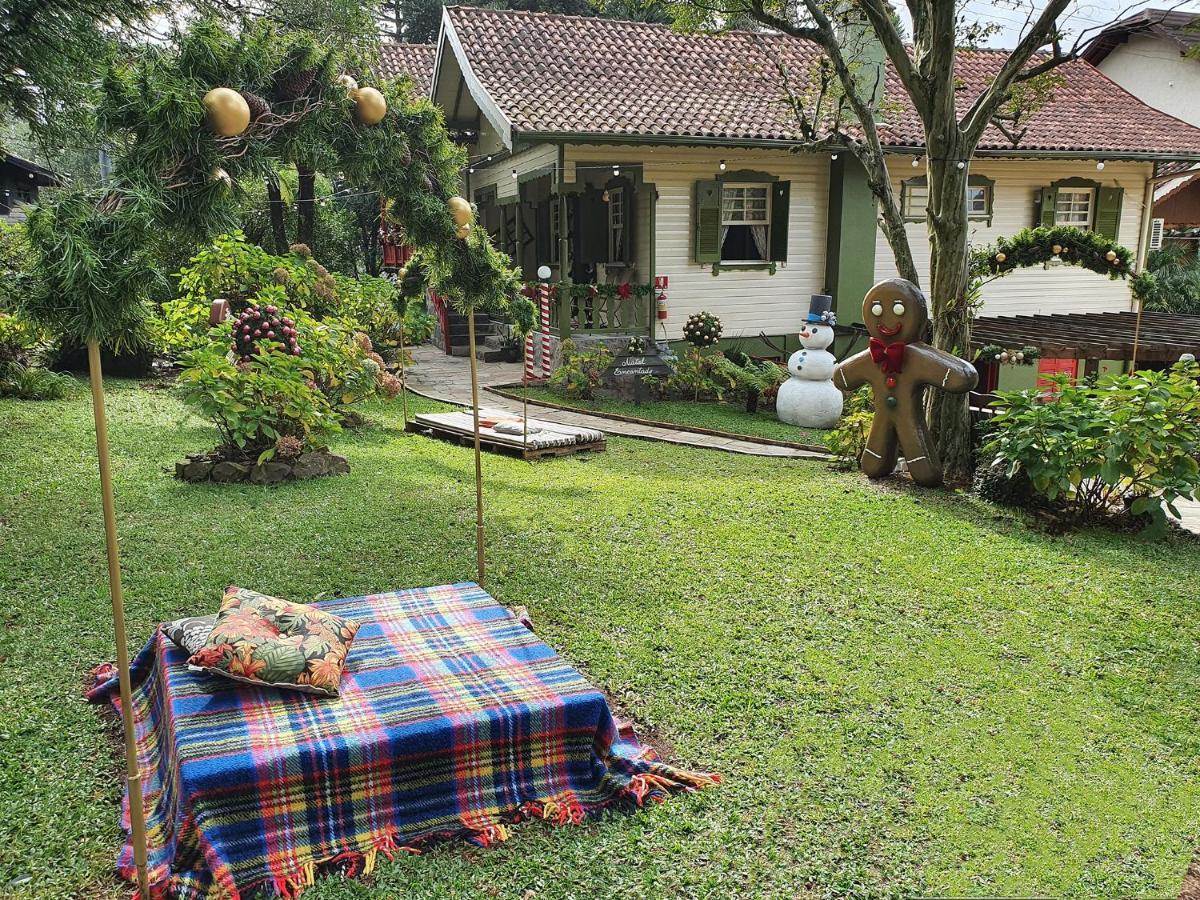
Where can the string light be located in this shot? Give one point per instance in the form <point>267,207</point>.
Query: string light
<point>723,163</point>
<point>514,173</point>
<point>961,164</point>
<point>1100,165</point>
<point>835,156</point>
<point>916,161</point>
<point>616,171</point>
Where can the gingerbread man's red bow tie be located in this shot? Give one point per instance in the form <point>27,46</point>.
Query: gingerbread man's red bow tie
<point>889,357</point>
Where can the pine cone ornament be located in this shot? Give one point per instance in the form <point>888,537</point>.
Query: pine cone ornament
<point>258,106</point>
<point>294,84</point>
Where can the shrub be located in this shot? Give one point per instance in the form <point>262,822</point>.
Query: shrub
<point>418,324</point>
<point>1128,445</point>
<point>1170,282</point>
<point>581,372</point>
<point>32,382</point>
<point>702,329</point>
<point>847,441</point>
<point>255,404</point>
<point>371,303</point>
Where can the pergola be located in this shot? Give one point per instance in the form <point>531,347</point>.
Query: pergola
<point>1160,337</point>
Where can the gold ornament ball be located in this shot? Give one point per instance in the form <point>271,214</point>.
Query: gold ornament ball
<point>1110,255</point>
<point>462,231</point>
<point>348,82</point>
<point>402,273</point>
<point>1057,248</point>
<point>1000,257</point>
<point>369,105</point>
<point>228,113</point>
<point>216,173</point>
<point>460,211</point>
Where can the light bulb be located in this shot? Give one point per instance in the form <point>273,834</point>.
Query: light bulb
<point>514,173</point>
<point>471,171</point>
<point>834,156</point>
<point>723,165</point>
<point>961,164</point>
<point>616,171</point>
<point>916,162</point>
<point>1100,165</point>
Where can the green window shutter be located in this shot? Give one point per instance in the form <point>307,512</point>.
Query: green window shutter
<point>1049,197</point>
<point>1107,220</point>
<point>781,206</point>
<point>592,225</point>
<point>541,231</point>
<point>708,222</point>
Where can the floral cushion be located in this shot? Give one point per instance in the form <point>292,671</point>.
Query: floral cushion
<point>266,641</point>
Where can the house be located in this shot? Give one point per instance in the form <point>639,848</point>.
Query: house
<point>20,180</point>
<point>625,154</point>
<point>1151,55</point>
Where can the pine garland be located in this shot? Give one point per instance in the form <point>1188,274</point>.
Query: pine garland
<point>1060,243</point>
<point>176,180</point>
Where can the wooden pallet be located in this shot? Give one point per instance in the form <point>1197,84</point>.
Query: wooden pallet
<point>487,443</point>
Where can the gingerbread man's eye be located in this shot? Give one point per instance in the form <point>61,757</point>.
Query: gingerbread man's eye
<point>898,308</point>
<point>877,309</point>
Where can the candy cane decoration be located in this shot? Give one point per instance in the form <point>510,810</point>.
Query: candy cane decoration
<point>529,373</point>
<point>544,298</point>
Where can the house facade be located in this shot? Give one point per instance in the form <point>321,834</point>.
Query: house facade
<point>624,155</point>
<point>1151,55</point>
<point>20,182</point>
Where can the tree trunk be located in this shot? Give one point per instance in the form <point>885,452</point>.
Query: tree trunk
<point>305,207</point>
<point>278,229</point>
<point>949,415</point>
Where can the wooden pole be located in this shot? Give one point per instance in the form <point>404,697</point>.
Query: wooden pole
<point>1137,333</point>
<point>479,535</point>
<point>403,387</point>
<point>137,814</point>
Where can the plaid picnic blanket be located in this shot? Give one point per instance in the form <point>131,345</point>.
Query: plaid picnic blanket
<point>453,720</point>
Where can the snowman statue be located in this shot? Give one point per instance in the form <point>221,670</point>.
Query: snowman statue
<point>809,399</point>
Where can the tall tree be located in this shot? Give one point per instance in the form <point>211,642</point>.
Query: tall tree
<point>51,55</point>
<point>857,35</point>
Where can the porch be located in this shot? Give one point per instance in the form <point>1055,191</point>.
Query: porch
<point>595,235</point>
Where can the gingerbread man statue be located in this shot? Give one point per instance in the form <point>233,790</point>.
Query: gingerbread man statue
<point>898,365</point>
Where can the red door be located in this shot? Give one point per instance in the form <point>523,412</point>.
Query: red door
<point>1056,367</point>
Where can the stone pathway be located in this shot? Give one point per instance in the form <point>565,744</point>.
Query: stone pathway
<point>1189,514</point>
<point>448,378</point>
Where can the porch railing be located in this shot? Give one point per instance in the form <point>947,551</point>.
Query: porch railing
<point>595,309</point>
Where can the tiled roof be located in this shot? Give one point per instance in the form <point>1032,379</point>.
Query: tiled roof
<point>551,73</point>
<point>413,60</point>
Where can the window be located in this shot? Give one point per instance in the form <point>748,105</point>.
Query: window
<point>618,220</point>
<point>745,222</point>
<point>1073,206</point>
<point>915,198</point>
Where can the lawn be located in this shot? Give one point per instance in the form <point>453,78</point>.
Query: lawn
<point>907,692</point>
<point>729,417</point>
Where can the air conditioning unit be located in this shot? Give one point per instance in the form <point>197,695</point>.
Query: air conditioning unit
<point>1156,234</point>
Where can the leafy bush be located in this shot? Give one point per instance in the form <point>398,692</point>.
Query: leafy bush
<point>1127,445</point>
<point>32,382</point>
<point>255,404</point>
<point>371,303</point>
<point>698,375</point>
<point>581,372</point>
<point>1170,282</point>
<point>847,442</point>
<point>418,324</point>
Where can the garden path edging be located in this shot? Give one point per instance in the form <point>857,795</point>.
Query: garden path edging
<point>504,390</point>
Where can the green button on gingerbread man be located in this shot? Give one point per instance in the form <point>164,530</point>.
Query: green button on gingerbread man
<point>898,365</point>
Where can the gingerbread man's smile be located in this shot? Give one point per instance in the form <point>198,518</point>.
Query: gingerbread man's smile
<point>889,332</point>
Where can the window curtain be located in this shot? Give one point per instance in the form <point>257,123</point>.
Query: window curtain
<point>724,234</point>
<point>758,234</point>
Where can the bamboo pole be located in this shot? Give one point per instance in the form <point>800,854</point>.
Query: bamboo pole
<point>137,814</point>
<point>1137,334</point>
<point>479,535</point>
<point>403,386</point>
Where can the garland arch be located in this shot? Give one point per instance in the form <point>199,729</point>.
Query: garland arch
<point>1038,246</point>
<point>194,121</point>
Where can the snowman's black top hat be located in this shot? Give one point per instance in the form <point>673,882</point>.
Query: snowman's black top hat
<point>820,309</point>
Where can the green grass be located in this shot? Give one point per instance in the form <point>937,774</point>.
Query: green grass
<point>907,692</point>
<point>731,417</point>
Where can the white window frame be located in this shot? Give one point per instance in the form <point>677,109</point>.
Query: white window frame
<point>916,201</point>
<point>1069,216</point>
<point>618,222</point>
<point>972,212</point>
<point>765,187</point>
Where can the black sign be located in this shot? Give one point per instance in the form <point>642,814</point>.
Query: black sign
<point>640,366</point>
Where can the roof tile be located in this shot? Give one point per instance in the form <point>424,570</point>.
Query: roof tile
<point>552,73</point>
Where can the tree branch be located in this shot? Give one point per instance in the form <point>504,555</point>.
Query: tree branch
<point>879,16</point>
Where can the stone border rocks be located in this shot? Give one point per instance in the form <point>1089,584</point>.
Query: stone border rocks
<point>211,467</point>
